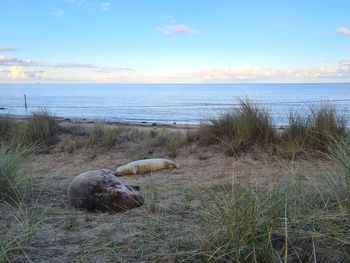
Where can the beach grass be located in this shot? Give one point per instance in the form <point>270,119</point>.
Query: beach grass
<point>20,213</point>
<point>246,127</point>
<point>290,220</point>
<point>95,134</point>
<point>7,129</point>
<point>18,228</point>
<point>326,124</point>
<point>294,217</point>
<point>11,169</point>
<point>314,130</point>
<point>240,128</point>
<point>249,125</point>
<point>294,139</point>
<point>41,128</point>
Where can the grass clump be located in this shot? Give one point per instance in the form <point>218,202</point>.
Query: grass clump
<point>340,182</point>
<point>325,123</point>
<point>175,141</point>
<point>294,138</point>
<point>107,137</point>
<point>315,131</point>
<point>240,128</point>
<point>249,125</point>
<point>11,132</point>
<point>95,134</point>
<point>41,128</point>
<point>20,215</point>
<point>17,229</point>
<point>8,128</point>
<point>238,223</point>
<point>75,130</point>
<point>11,166</point>
<point>110,137</point>
<point>287,222</point>
<point>340,155</point>
<point>170,141</point>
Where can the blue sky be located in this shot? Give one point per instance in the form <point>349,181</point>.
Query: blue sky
<point>164,41</point>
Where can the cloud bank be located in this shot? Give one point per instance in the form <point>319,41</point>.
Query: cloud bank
<point>20,73</point>
<point>249,73</point>
<point>17,69</point>
<point>14,69</point>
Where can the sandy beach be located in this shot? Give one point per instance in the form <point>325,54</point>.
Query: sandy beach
<point>67,234</point>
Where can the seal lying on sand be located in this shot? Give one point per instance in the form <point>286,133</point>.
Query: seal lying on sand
<point>145,166</point>
<point>101,190</point>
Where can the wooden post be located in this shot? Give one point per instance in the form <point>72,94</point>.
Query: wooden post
<point>25,101</point>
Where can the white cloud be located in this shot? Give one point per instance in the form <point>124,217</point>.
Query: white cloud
<point>251,73</point>
<point>13,61</point>
<point>15,69</point>
<point>58,13</point>
<point>105,6</point>
<point>6,48</point>
<point>20,73</point>
<point>343,31</point>
<point>172,29</point>
<point>16,72</point>
<point>344,66</point>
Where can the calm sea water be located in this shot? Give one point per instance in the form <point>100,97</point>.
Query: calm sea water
<point>185,104</point>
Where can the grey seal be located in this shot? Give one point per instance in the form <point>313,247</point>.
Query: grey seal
<point>101,190</point>
<point>145,166</point>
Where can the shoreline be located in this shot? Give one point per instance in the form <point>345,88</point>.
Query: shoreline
<point>87,121</point>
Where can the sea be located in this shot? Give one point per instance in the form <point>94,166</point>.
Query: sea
<point>166,103</point>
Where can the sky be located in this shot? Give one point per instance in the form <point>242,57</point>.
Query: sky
<point>174,41</point>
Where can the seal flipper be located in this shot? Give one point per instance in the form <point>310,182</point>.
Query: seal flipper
<point>133,187</point>
<point>177,165</point>
<point>116,172</point>
<point>135,169</point>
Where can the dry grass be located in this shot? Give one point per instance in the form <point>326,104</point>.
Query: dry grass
<point>11,170</point>
<point>291,220</point>
<point>19,217</point>
<point>293,217</point>
<point>170,141</point>
<point>18,228</point>
<point>294,139</point>
<point>326,123</point>
<point>7,129</point>
<point>41,128</point>
<point>240,128</point>
<point>316,130</point>
<point>249,125</point>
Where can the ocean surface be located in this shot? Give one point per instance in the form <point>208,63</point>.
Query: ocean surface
<point>163,103</point>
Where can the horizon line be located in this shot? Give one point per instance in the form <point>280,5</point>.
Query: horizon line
<point>165,83</point>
